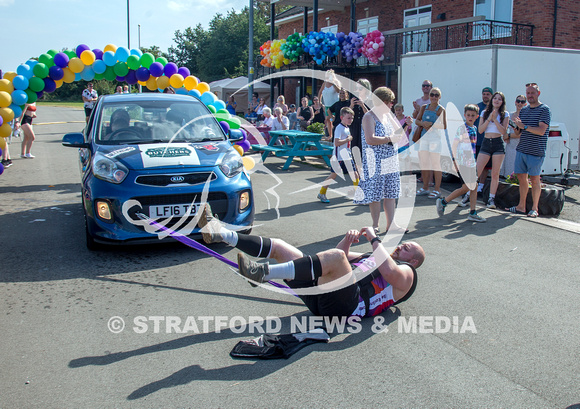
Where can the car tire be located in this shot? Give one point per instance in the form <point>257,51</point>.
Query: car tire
<point>92,245</point>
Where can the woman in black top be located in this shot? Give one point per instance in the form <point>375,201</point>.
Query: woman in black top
<point>363,91</point>
<point>305,114</point>
<point>318,109</point>
<point>342,102</point>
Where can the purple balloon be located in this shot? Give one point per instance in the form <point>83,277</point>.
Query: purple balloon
<point>55,72</point>
<point>131,78</point>
<point>49,85</point>
<point>169,69</point>
<point>80,49</point>
<point>245,145</point>
<point>98,54</point>
<point>61,59</point>
<point>156,69</point>
<point>1,121</point>
<point>244,133</point>
<point>184,72</point>
<point>39,94</point>
<point>225,126</point>
<point>142,74</point>
<point>120,79</point>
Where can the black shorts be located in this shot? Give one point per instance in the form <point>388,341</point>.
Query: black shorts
<point>26,119</point>
<point>344,168</point>
<point>88,111</point>
<point>492,146</point>
<point>339,303</point>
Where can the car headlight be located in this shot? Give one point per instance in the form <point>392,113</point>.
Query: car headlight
<point>108,169</point>
<point>232,164</point>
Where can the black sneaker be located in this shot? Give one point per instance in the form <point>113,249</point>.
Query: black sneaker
<point>6,163</point>
<point>209,226</point>
<point>251,270</point>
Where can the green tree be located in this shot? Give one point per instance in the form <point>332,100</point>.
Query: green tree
<point>156,51</point>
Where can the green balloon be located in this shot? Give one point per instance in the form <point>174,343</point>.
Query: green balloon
<point>36,84</point>
<point>133,62</point>
<point>121,69</point>
<point>40,70</point>
<point>52,53</point>
<point>110,74</point>
<point>162,60</point>
<point>211,109</point>
<point>223,111</point>
<point>147,59</point>
<point>70,54</point>
<point>99,76</point>
<point>46,59</point>
<point>32,97</point>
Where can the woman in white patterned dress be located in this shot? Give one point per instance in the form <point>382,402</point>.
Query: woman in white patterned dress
<point>380,164</point>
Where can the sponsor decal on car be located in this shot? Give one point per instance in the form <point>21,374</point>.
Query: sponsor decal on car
<point>119,152</point>
<point>167,152</point>
<point>168,155</point>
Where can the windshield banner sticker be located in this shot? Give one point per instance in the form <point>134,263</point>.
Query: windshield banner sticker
<point>120,152</point>
<point>168,155</point>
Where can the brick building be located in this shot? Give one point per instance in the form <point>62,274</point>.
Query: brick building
<point>422,25</point>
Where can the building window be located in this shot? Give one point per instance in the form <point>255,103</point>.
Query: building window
<point>330,29</point>
<point>499,11</point>
<point>366,25</point>
<point>416,41</point>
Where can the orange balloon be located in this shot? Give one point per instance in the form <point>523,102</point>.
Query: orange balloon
<point>110,47</point>
<point>190,82</point>
<point>202,87</point>
<point>249,162</point>
<point>239,149</point>
<point>69,76</point>
<point>76,65</point>
<point>162,82</point>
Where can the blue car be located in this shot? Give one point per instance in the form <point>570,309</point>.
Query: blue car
<point>161,157</point>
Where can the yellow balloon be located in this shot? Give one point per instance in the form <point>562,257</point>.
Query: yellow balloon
<point>142,83</point>
<point>239,149</point>
<point>2,142</point>
<point>88,57</point>
<point>176,80</point>
<point>68,76</point>
<point>58,83</point>
<point>10,75</point>
<point>249,162</point>
<point>151,83</point>
<point>7,115</point>
<point>5,99</point>
<point>76,65</point>
<point>202,87</point>
<point>5,130</point>
<point>162,82</point>
<point>110,47</point>
<point>190,82</point>
<point>6,85</point>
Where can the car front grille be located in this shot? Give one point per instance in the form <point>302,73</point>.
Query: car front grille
<point>174,179</point>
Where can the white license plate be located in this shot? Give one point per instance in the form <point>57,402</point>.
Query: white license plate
<point>177,210</point>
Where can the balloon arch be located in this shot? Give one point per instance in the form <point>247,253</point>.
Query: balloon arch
<point>52,69</point>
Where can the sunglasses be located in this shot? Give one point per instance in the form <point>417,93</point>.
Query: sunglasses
<point>520,101</point>
<point>425,85</point>
<point>531,84</point>
<point>434,95</point>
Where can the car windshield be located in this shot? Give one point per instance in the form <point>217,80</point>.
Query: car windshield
<point>155,121</point>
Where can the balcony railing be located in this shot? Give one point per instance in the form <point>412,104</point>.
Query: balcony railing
<point>446,35</point>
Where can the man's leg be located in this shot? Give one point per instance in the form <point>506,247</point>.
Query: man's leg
<point>536,191</point>
<point>523,181</point>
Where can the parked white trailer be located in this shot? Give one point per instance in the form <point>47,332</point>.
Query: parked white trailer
<point>461,74</point>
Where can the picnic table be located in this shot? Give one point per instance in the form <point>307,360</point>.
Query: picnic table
<point>291,144</point>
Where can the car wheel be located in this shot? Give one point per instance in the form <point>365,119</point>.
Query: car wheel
<point>248,231</point>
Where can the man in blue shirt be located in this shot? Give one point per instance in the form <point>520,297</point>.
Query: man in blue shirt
<point>532,127</point>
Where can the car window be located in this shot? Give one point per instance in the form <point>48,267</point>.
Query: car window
<point>156,121</point>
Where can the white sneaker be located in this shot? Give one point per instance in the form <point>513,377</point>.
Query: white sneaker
<point>464,202</point>
<point>323,198</point>
<point>29,156</point>
<point>440,207</point>
<point>491,203</point>
<point>476,218</point>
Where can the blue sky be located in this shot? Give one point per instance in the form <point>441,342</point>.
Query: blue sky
<point>32,27</point>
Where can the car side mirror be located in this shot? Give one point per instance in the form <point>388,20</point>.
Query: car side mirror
<point>235,135</point>
<point>74,140</point>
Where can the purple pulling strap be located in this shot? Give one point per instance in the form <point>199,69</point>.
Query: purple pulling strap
<point>198,246</point>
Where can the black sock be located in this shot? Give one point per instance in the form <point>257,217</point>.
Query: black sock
<point>473,212</point>
<point>444,201</point>
<point>307,268</point>
<point>255,246</point>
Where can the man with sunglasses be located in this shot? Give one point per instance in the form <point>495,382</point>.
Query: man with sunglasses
<point>533,127</point>
<point>419,102</point>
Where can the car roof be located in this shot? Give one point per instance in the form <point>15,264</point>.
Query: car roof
<point>148,96</point>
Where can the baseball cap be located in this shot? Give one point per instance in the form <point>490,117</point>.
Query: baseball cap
<point>292,106</point>
<point>487,89</point>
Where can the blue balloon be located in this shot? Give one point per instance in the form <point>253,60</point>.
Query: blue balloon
<point>137,52</point>
<point>25,71</point>
<point>208,98</point>
<point>122,54</point>
<point>31,63</point>
<point>99,67</point>
<point>78,76</point>
<point>55,72</point>
<point>19,97</point>
<point>219,104</point>
<point>16,109</point>
<point>109,58</point>
<point>142,74</point>
<point>20,81</point>
<point>87,73</point>
<point>49,85</point>
<point>194,93</point>
<point>131,78</point>
<point>225,126</point>
<point>181,91</point>
<point>61,59</point>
